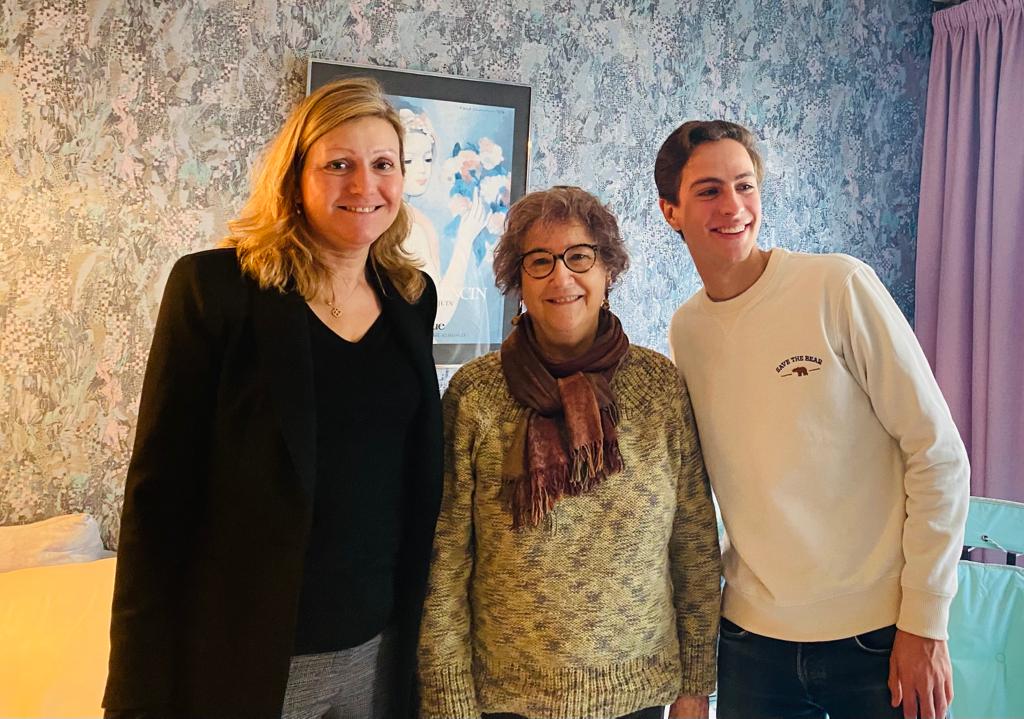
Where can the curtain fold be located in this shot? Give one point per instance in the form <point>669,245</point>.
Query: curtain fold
<point>969,310</point>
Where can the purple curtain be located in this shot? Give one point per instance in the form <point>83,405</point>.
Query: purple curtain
<point>970,246</point>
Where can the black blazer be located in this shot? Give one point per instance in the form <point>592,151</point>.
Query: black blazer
<point>217,505</point>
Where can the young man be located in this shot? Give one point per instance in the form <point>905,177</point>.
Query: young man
<point>842,480</point>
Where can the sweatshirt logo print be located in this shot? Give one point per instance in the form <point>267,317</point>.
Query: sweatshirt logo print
<point>798,366</point>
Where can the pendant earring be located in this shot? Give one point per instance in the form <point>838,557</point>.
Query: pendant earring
<point>518,316</point>
<point>605,305</point>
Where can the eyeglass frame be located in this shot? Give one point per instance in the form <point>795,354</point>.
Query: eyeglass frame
<point>596,249</point>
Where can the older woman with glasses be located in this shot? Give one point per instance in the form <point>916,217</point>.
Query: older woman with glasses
<point>576,563</point>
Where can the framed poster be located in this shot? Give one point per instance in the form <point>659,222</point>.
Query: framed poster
<point>466,144</point>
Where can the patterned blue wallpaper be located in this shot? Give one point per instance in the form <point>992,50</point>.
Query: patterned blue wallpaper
<point>128,130</point>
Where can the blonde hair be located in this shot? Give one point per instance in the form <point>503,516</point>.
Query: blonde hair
<point>273,241</point>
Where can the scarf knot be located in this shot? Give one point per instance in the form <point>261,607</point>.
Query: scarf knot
<point>566,443</point>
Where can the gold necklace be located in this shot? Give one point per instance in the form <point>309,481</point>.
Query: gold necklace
<point>331,303</point>
<point>335,310</point>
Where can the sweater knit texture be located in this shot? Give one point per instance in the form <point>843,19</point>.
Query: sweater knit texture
<point>611,604</point>
<point>842,480</point>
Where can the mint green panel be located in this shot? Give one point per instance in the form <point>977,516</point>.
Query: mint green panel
<point>986,642</point>
<point>999,521</point>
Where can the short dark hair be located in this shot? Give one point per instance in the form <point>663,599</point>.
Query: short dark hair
<point>560,204</point>
<point>675,152</point>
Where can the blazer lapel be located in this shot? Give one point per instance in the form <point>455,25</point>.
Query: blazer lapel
<point>282,334</point>
<point>414,337</point>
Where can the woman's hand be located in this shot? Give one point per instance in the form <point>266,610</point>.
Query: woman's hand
<point>689,706</point>
<point>449,289</point>
<point>472,220</point>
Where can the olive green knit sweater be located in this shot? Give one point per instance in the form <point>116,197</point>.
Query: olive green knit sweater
<point>609,606</point>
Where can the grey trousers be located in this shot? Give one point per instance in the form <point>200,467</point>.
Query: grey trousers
<point>354,683</point>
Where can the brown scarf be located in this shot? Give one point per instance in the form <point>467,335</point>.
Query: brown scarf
<point>571,399</point>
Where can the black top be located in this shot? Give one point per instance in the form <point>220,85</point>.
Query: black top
<point>367,394</point>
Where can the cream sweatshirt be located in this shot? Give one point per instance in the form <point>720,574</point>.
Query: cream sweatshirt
<point>841,478</point>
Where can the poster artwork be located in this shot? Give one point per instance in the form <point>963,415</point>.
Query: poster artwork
<point>458,185</point>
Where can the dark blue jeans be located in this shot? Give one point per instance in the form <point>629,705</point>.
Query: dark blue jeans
<point>763,678</point>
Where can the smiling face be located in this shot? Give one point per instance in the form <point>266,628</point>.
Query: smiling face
<point>351,185</point>
<point>419,159</point>
<point>564,306</point>
<point>718,209</point>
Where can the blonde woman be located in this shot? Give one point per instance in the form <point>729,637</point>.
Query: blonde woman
<point>281,497</point>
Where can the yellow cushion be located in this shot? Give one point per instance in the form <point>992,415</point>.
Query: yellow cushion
<point>54,639</point>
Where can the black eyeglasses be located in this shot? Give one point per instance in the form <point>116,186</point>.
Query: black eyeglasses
<point>538,264</point>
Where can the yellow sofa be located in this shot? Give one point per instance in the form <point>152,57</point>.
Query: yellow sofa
<point>56,582</point>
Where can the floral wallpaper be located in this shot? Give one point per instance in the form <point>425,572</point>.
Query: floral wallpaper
<point>128,130</point>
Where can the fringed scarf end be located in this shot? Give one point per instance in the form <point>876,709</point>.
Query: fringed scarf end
<point>587,462</point>
<point>530,499</point>
<point>613,459</point>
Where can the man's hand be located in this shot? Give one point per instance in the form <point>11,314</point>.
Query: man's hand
<point>920,676</point>
<point>689,706</point>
